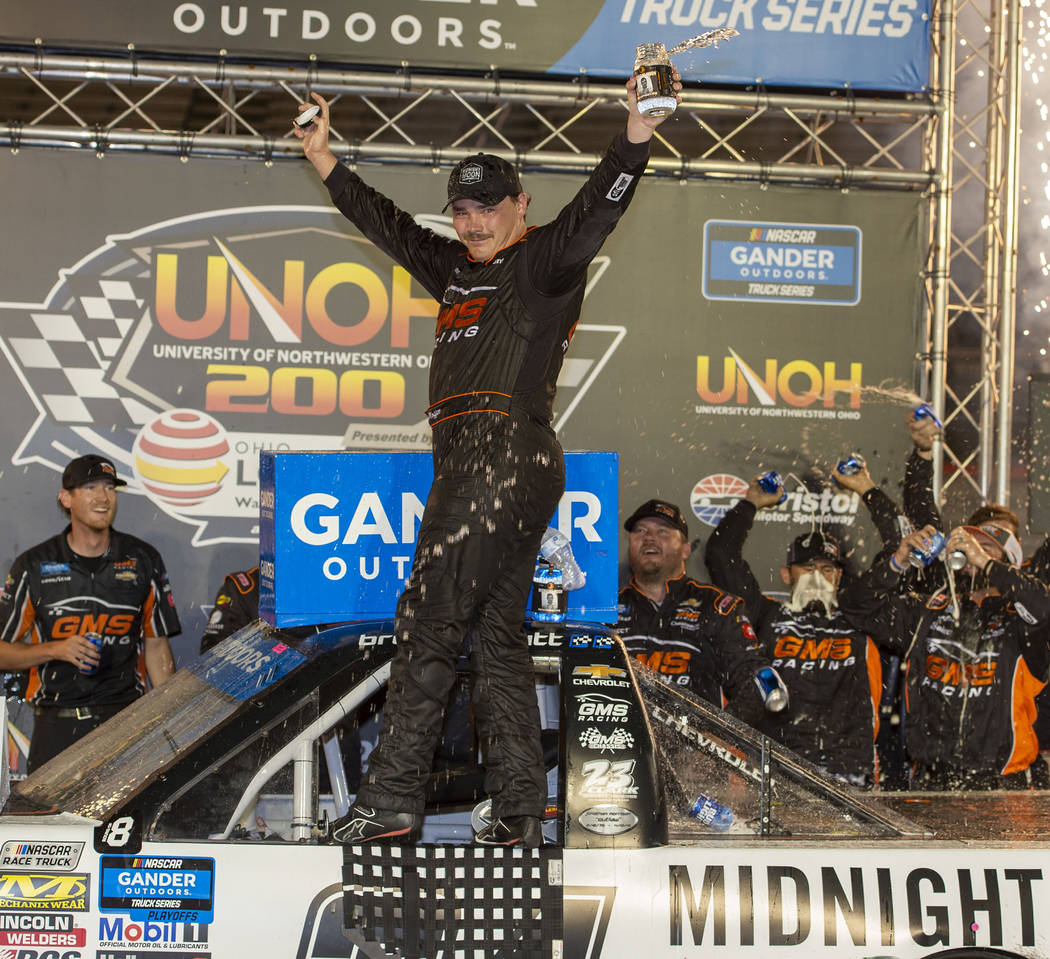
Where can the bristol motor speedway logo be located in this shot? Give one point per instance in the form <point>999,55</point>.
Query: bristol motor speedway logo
<point>184,349</point>
<point>714,495</point>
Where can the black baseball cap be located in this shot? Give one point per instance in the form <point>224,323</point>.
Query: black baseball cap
<point>482,177</point>
<point>85,469</point>
<point>814,545</point>
<point>658,509</point>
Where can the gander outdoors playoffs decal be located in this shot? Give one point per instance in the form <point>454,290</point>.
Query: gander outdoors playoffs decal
<point>158,888</point>
<point>785,262</point>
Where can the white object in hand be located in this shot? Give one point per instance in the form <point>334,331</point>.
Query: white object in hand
<point>307,116</point>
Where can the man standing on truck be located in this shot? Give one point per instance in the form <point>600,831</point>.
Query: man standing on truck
<point>510,297</point>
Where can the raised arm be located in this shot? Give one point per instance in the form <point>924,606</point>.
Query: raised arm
<point>883,511</point>
<point>920,506</point>
<point>724,554</point>
<point>427,256</point>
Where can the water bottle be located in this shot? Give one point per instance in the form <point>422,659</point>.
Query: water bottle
<point>923,557</point>
<point>772,689</point>
<point>556,550</point>
<point>925,412</point>
<point>550,599</point>
<point>711,813</point>
<point>771,482</point>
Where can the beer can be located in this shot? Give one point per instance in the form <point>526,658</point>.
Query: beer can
<point>772,689</point>
<point>923,557</point>
<point>771,482</point>
<point>96,640</point>
<point>851,465</point>
<point>550,599</point>
<point>654,78</point>
<point>925,412</point>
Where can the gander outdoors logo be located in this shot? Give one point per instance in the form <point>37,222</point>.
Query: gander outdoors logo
<point>714,495</point>
<point>184,349</point>
<point>785,262</point>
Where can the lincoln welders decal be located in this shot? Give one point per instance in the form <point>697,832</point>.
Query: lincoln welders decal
<point>782,262</point>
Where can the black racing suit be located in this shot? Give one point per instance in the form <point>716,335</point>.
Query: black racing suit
<point>969,683</point>
<point>52,594</point>
<point>502,331</point>
<point>236,605</point>
<point>1039,566</point>
<point>829,664</point>
<point>698,638</point>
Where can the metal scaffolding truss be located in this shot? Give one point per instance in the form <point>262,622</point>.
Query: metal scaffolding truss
<point>108,102</point>
<point>958,145</point>
<point>977,56</point>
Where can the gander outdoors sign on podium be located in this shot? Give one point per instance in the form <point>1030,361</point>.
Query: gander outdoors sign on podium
<point>338,532</point>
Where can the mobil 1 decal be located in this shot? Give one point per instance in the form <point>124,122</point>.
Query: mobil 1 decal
<point>158,888</point>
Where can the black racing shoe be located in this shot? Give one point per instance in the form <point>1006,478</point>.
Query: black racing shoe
<point>511,831</point>
<point>364,824</point>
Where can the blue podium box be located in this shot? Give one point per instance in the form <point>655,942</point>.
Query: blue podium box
<point>338,532</point>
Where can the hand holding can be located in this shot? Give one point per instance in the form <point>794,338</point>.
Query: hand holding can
<point>86,666</point>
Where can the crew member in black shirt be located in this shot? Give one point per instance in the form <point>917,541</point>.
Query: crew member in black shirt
<point>693,634</point>
<point>89,579</point>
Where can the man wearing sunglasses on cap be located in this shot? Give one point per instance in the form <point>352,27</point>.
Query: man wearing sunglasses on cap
<point>974,652</point>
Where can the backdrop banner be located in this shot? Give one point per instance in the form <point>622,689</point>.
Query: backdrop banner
<point>865,44</point>
<point>183,317</point>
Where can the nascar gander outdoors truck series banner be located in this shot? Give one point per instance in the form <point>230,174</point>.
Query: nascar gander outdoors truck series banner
<point>865,44</point>
<point>185,317</point>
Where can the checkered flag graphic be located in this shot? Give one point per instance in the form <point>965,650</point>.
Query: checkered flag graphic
<point>455,902</point>
<point>66,354</point>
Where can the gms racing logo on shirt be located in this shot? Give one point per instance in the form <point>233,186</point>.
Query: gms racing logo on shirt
<point>713,496</point>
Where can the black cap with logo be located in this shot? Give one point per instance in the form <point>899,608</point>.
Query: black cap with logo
<point>87,469</point>
<point>484,178</point>
<point>658,509</point>
<point>814,545</point>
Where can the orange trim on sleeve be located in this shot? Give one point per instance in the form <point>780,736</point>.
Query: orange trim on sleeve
<point>874,684</point>
<point>147,614</point>
<point>1022,701</point>
<point>33,685</point>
